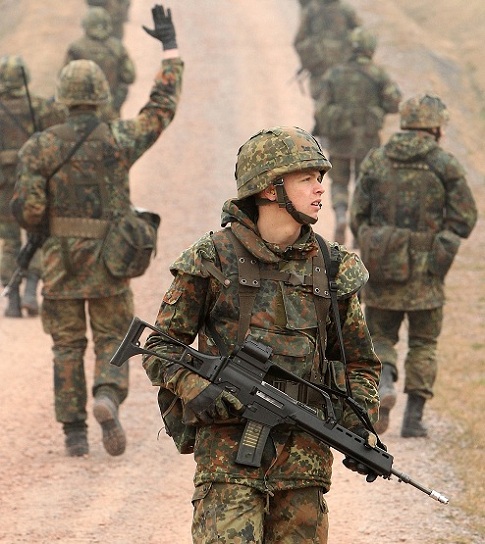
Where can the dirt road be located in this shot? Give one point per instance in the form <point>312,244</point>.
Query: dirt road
<point>239,69</point>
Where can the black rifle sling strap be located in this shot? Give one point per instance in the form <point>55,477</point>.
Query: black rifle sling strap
<point>333,258</point>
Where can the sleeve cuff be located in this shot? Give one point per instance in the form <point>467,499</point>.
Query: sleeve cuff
<point>171,54</point>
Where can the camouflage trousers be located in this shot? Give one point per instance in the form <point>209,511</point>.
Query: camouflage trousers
<point>66,321</point>
<point>343,169</point>
<point>424,328</point>
<point>238,514</point>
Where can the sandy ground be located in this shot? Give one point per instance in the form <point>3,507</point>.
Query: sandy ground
<point>239,78</point>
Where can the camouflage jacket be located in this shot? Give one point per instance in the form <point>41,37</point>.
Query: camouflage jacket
<point>322,39</point>
<point>354,98</point>
<point>284,317</point>
<point>16,127</point>
<point>93,185</point>
<point>411,203</point>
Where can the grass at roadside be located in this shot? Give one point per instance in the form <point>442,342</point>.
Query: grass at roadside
<point>460,392</point>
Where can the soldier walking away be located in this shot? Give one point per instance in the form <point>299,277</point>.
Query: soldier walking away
<point>21,114</point>
<point>118,10</point>
<point>349,113</point>
<point>99,45</point>
<point>72,182</point>
<point>322,39</point>
<point>410,208</point>
<point>267,235</point>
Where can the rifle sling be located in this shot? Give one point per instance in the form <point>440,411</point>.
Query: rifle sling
<point>15,119</point>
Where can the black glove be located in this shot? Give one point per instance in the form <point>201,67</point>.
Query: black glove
<point>212,404</point>
<point>164,30</point>
<point>352,464</point>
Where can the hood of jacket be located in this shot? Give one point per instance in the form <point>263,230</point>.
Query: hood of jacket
<point>410,145</point>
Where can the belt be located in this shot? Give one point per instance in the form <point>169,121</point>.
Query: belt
<point>9,156</point>
<point>78,227</point>
<point>421,241</point>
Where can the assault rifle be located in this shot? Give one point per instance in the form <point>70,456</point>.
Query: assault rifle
<point>244,373</point>
<point>26,254</point>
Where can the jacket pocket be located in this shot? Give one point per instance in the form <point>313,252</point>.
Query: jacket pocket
<point>443,251</point>
<point>385,253</point>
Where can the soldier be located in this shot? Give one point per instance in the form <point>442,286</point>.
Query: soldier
<point>410,208</point>
<point>350,112</point>
<point>118,10</point>
<point>21,114</point>
<point>322,39</point>
<point>108,53</point>
<point>279,176</point>
<point>90,188</point>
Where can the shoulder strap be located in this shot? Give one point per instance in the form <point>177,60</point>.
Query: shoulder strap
<point>92,124</point>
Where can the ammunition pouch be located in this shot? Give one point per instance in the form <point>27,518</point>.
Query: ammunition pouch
<point>171,410</point>
<point>130,242</point>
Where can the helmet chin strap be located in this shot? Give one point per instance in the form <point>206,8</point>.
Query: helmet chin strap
<point>284,202</point>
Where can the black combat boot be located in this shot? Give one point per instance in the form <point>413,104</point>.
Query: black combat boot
<point>411,425</point>
<point>13,309</point>
<point>29,300</point>
<point>76,439</point>
<point>340,224</point>
<point>387,395</point>
<point>105,411</point>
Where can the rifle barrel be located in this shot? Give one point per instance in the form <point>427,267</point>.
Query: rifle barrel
<point>402,477</point>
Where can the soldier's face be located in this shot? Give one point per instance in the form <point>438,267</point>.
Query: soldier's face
<point>305,190</point>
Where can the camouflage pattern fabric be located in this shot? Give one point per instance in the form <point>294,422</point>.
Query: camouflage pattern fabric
<point>343,170</point>
<point>232,514</point>
<point>118,9</point>
<point>322,39</point>
<point>353,102</point>
<point>71,265</point>
<point>412,184</point>
<point>66,322</point>
<point>283,315</point>
<point>16,127</point>
<point>424,328</point>
<point>112,57</point>
<point>349,113</point>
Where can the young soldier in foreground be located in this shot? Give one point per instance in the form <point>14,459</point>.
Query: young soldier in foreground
<point>279,175</point>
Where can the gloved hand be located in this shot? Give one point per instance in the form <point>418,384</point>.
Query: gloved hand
<point>205,402</point>
<point>164,30</point>
<point>354,465</point>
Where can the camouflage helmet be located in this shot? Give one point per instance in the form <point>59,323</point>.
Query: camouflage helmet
<point>363,41</point>
<point>82,82</point>
<point>97,23</point>
<point>11,76</point>
<point>274,152</point>
<point>423,111</point>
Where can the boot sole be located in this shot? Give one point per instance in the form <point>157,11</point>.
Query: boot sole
<point>114,439</point>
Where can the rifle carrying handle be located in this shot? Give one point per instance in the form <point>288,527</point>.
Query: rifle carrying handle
<point>252,444</point>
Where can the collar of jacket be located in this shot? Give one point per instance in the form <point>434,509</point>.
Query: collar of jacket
<point>244,228</point>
